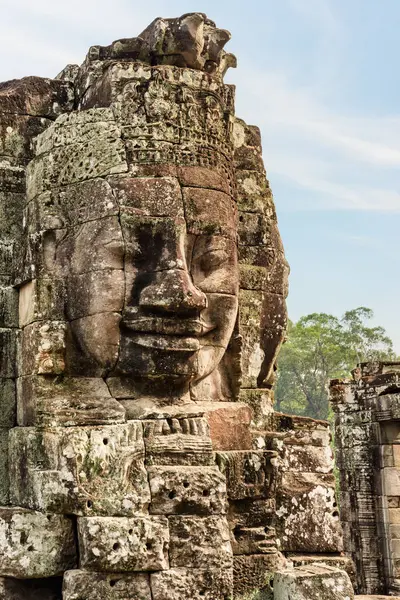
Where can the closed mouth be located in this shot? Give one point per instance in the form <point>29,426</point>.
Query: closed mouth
<point>167,326</point>
<point>166,334</point>
<point>171,343</point>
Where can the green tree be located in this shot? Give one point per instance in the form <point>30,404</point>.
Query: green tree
<point>321,347</point>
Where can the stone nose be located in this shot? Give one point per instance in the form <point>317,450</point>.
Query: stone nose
<point>173,291</point>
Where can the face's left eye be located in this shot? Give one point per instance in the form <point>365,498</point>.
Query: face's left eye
<point>212,260</point>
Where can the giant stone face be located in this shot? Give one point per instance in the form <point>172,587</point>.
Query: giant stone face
<point>152,292</point>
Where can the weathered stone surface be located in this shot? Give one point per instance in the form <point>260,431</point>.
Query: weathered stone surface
<point>199,542</point>
<point>41,300</point>
<point>252,575</point>
<point>36,96</point>
<point>308,516</point>
<point>229,426</point>
<point>307,459</point>
<point>43,348</point>
<point>342,562</point>
<point>309,583</point>
<point>153,196</point>
<point>119,544</point>
<point>92,135</point>
<point>8,307</point>
<point>261,404</point>
<point>66,401</point>
<point>84,585</point>
<point>175,584</point>
<point>376,597</point>
<point>366,437</point>
<point>8,403</point>
<point>176,441</point>
<point>8,352</point>
<point>34,544</point>
<point>248,474</point>
<point>4,468</point>
<point>187,490</point>
<point>80,470</point>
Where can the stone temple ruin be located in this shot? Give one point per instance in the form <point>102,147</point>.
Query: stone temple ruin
<point>142,307</point>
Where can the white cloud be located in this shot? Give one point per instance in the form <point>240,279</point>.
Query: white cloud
<point>350,160</point>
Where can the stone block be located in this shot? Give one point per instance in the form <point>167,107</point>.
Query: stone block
<point>261,403</point>
<point>8,352</point>
<point>80,470</point>
<point>34,544</point>
<point>7,256</point>
<point>302,431</point>
<point>43,348</point>
<point>312,583</point>
<point>153,196</point>
<point>105,240</point>
<point>254,540</point>
<point>8,307</point>
<point>229,425</point>
<point>391,481</point>
<point>37,96</point>
<point>78,146</point>
<point>201,584</point>
<point>65,401</point>
<point>37,256</point>
<point>249,513</point>
<point>342,562</point>
<point>250,310</point>
<point>307,459</point>
<point>94,292</point>
<point>396,456</point>
<point>86,201</point>
<point>394,516</point>
<point>390,432</point>
<point>254,229</point>
<point>4,468</point>
<point>204,178</point>
<point>249,474</point>
<point>85,585</point>
<point>199,542</point>
<point>41,300</point>
<point>8,403</point>
<point>187,490</point>
<point>206,210</point>
<point>307,514</point>
<point>178,441</point>
<point>253,576</point>
<point>101,336</point>
<point>120,544</point>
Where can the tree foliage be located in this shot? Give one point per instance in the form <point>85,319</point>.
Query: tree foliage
<point>321,347</point>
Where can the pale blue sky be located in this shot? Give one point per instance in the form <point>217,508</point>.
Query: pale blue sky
<point>321,79</point>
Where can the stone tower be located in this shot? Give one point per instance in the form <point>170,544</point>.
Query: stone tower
<point>142,310</point>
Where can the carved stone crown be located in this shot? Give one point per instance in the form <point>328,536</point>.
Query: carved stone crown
<point>191,41</point>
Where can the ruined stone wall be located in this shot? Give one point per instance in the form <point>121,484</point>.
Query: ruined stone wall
<point>366,438</point>
<point>143,308</point>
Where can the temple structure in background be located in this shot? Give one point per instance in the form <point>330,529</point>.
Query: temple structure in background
<point>142,309</point>
<point>367,439</point>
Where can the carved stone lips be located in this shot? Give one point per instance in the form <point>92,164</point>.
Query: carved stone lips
<point>167,326</point>
<point>167,334</point>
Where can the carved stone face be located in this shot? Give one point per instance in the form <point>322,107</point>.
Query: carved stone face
<point>152,291</point>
